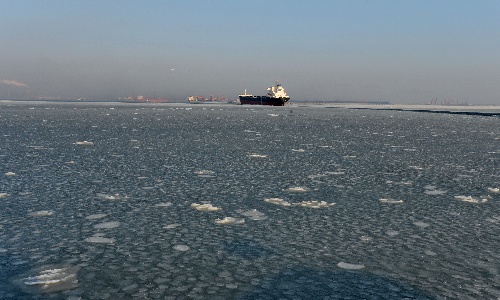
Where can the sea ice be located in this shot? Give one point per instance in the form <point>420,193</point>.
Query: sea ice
<point>313,204</point>
<point>277,201</point>
<point>205,207</point>
<point>229,220</point>
<point>95,216</point>
<point>253,214</point>
<point>85,143</point>
<point>494,190</point>
<point>298,150</point>
<point>100,240</point>
<point>165,204</point>
<point>48,279</point>
<point>392,232</point>
<point>171,226</point>
<point>434,192</point>
<point>41,213</point>
<point>296,189</point>
<point>257,155</point>
<point>349,266</point>
<point>181,248</point>
<point>390,201</point>
<point>4,195</point>
<point>204,172</point>
<point>107,225</point>
<point>471,199</point>
<point>421,224</point>
<point>10,174</point>
<point>109,197</point>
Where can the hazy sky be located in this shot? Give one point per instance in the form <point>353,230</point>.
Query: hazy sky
<point>403,51</point>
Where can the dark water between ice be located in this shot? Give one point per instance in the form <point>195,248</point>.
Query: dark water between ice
<point>96,202</point>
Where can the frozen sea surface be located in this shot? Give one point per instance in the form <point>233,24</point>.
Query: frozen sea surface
<point>96,203</point>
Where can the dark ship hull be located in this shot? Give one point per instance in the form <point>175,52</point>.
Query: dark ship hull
<point>264,100</point>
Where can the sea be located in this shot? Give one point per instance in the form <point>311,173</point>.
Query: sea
<point>178,201</point>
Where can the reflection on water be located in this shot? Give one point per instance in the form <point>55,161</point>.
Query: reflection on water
<point>236,202</point>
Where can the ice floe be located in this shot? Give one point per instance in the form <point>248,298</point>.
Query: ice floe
<point>229,221</point>
<point>296,189</point>
<point>313,204</point>
<point>109,197</point>
<point>172,226</point>
<point>181,248</point>
<point>95,216</point>
<point>4,195</point>
<point>298,150</point>
<point>255,155</point>
<point>10,174</point>
<point>471,199</point>
<point>432,190</point>
<point>494,190</point>
<point>48,279</point>
<point>349,266</point>
<point>390,201</point>
<point>205,207</point>
<point>421,224</point>
<point>277,201</point>
<point>41,213</point>
<point>99,239</point>
<point>107,225</point>
<point>252,214</point>
<point>85,143</point>
<point>205,173</point>
<point>165,204</point>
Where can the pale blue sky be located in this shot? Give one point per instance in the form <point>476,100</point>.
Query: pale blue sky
<point>403,51</point>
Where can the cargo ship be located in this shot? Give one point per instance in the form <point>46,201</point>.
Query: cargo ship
<point>276,96</point>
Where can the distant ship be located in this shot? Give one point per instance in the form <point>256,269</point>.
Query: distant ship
<point>276,96</point>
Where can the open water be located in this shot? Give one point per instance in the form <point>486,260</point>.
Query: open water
<point>121,201</point>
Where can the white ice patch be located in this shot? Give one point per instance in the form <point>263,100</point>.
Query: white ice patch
<point>390,201</point>
<point>253,214</point>
<point>98,239</point>
<point>107,225</point>
<point>435,192</point>
<point>273,115</point>
<point>432,190</point>
<point>313,204</point>
<point>392,232</point>
<point>165,204</point>
<point>430,253</point>
<point>298,150</point>
<point>182,248</point>
<point>296,189</point>
<point>205,207</point>
<point>4,195</point>
<point>172,226</point>
<point>95,216</point>
<point>48,279</point>
<point>229,221</point>
<point>421,224</point>
<point>494,190</point>
<point>41,213</point>
<point>205,173</point>
<point>85,143</point>
<point>471,199</point>
<point>109,197</point>
<point>349,266</point>
<point>277,201</point>
<point>255,155</point>
<point>10,174</point>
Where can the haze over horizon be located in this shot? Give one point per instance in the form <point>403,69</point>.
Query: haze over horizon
<point>399,51</point>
